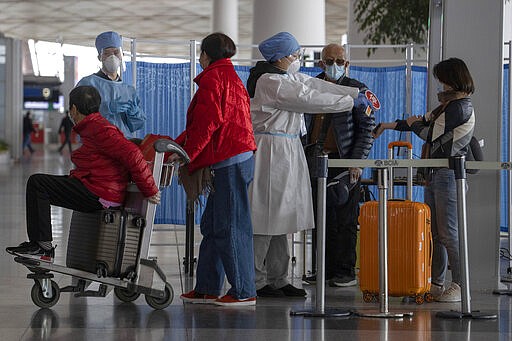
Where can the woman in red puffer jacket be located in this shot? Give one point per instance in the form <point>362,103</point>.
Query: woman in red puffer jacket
<point>219,135</point>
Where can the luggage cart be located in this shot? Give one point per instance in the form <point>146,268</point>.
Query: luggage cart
<point>147,278</point>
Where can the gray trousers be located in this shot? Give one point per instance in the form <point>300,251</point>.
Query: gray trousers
<point>271,259</point>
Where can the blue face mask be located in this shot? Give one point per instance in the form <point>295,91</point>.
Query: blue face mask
<point>335,71</point>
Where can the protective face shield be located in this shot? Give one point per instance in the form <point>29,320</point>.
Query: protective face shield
<point>335,71</point>
<point>293,67</point>
<point>111,63</point>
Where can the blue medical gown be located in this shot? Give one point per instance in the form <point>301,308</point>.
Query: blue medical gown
<point>120,104</point>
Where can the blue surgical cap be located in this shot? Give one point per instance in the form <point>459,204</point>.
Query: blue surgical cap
<point>107,39</point>
<point>278,46</point>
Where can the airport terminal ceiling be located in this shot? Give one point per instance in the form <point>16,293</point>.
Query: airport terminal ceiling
<point>78,22</point>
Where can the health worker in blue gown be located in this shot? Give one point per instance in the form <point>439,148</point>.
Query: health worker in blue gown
<point>119,102</point>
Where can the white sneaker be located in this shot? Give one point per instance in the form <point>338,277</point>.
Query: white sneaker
<point>436,291</point>
<point>451,294</point>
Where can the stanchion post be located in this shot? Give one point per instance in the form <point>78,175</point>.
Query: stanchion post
<point>458,164</point>
<point>383,238</point>
<point>189,239</point>
<point>382,184</point>
<point>320,311</point>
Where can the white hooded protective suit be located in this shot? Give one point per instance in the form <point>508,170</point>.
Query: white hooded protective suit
<point>280,193</point>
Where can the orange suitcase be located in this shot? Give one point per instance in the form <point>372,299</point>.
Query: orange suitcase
<point>409,249</point>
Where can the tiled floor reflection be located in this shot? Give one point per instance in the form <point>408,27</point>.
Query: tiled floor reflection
<point>108,319</point>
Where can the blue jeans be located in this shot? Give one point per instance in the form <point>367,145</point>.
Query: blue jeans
<point>441,196</point>
<point>227,245</point>
<point>27,143</point>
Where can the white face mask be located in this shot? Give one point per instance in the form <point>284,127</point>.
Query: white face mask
<point>294,67</point>
<point>111,64</point>
<point>71,118</point>
<point>335,71</point>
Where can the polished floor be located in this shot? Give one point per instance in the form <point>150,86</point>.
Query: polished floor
<point>109,319</point>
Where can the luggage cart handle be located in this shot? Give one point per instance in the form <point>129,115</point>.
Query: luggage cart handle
<point>168,146</point>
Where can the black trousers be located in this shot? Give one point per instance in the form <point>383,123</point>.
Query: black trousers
<point>44,190</point>
<point>67,140</point>
<point>341,236</point>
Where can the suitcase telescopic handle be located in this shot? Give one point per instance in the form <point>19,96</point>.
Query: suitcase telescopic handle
<point>391,173</point>
<point>394,144</point>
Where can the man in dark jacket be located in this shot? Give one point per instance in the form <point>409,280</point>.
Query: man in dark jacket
<point>66,125</point>
<point>28,129</point>
<point>345,135</point>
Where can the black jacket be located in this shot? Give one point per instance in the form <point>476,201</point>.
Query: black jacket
<point>352,129</point>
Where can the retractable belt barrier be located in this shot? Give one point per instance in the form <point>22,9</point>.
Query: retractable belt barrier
<point>459,165</point>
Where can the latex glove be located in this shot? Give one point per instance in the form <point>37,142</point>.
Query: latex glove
<point>355,174</point>
<point>155,199</point>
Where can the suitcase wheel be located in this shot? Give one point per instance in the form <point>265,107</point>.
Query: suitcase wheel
<point>139,222</point>
<point>101,270</point>
<point>368,297</point>
<point>108,217</point>
<point>419,299</point>
<point>429,297</point>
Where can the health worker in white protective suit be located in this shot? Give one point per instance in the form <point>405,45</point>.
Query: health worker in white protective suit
<point>280,193</point>
<point>120,104</point>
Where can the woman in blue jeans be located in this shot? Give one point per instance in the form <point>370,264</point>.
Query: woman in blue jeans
<point>447,131</point>
<point>219,137</point>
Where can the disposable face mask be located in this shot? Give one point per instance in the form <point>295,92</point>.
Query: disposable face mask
<point>294,67</point>
<point>439,86</point>
<point>335,71</point>
<point>71,118</point>
<point>111,64</point>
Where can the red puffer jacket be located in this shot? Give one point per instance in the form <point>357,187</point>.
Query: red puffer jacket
<point>106,160</point>
<point>219,117</point>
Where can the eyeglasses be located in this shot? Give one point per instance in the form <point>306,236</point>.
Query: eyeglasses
<point>331,61</point>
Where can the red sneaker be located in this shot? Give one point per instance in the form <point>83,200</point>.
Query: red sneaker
<point>228,300</point>
<point>195,297</point>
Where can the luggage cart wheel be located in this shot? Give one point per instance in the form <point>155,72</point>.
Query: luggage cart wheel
<point>161,302</point>
<point>126,295</point>
<point>38,296</point>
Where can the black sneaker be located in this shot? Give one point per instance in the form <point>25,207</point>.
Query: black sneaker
<point>268,291</point>
<point>32,250</point>
<point>22,246</point>
<point>343,281</point>
<point>290,290</point>
<point>312,279</point>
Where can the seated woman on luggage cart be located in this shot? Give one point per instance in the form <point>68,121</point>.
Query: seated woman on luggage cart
<point>104,164</point>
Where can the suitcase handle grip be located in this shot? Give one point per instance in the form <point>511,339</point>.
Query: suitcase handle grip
<point>431,247</point>
<point>399,144</point>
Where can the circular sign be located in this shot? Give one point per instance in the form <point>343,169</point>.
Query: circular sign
<point>46,92</point>
<point>373,99</point>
